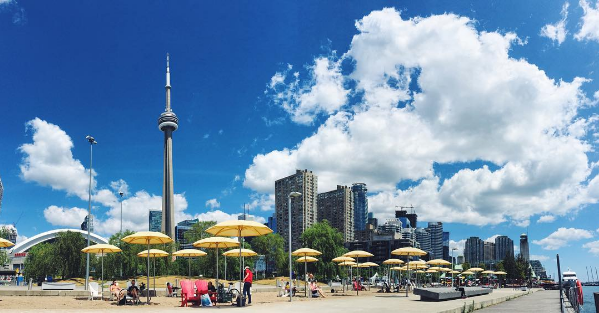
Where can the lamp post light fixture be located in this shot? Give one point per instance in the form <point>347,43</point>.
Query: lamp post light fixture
<point>452,267</point>
<point>121,194</point>
<point>92,142</point>
<point>293,194</point>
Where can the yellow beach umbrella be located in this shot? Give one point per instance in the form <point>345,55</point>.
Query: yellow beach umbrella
<point>467,273</point>
<point>408,251</point>
<point>476,269</point>
<point>436,268</point>
<point>348,263</point>
<point>419,271</point>
<point>431,271</point>
<point>500,273</point>
<point>343,259</point>
<point>153,253</point>
<point>5,243</point>
<point>438,262</point>
<point>239,228</point>
<point>101,249</point>
<point>399,268</point>
<point>215,243</point>
<point>147,238</point>
<point>240,252</point>
<point>393,261</point>
<point>189,253</point>
<point>306,259</point>
<point>358,254</point>
<point>305,252</point>
<point>487,272</point>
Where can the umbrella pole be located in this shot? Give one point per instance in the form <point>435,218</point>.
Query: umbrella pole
<point>408,280</point>
<point>305,277</point>
<point>188,268</point>
<point>154,277</point>
<point>217,265</point>
<point>148,271</point>
<point>358,276</point>
<point>240,266</point>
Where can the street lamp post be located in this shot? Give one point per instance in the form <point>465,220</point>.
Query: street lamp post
<point>121,194</point>
<point>92,142</point>
<point>452,267</point>
<point>293,194</point>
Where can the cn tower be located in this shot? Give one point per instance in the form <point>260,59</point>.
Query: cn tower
<point>168,123</point>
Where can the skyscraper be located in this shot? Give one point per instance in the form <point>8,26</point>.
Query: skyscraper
<point>435,229</point>
<point>503,246</point>
<point>524,247</point>
<point>423,238</point>
<point>360,206</point>
<point>489,251</point>
<point>155,223</point>
<point>337,207</point>
<point>182,228</point>
<point>168,123</point>
<point>474,251</point>
<point>446,254</point>
<point>303,208</point>
<point>406,218</point>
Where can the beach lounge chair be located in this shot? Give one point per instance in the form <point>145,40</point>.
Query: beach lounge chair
<point>94,291</point>
<point>188,294</point>
<point>129,299</point>
<point>202,289</point>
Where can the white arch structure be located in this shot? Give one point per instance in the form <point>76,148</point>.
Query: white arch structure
<point>49,235</point>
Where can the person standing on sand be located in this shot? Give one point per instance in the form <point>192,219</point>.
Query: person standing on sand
<point>247,284</point>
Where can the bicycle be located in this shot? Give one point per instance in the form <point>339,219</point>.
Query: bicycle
<point>229,295</point>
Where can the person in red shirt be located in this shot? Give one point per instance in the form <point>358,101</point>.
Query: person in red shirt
<point>247,284</point>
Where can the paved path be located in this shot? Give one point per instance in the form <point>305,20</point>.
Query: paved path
<point>335,303</point>
<point>546,301</point>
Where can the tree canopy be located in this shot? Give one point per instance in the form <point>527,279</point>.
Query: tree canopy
<point>328,240</point>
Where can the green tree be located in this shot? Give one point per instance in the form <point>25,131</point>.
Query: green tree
<point>500,266</point>
<point>4,233</point>
<point>41,261</point>
<point>482,265</point>
<point>465,266</point>
<point>326,239</point>
<point>70,259</point>
<point>272,247</point>
<point>509,264</point>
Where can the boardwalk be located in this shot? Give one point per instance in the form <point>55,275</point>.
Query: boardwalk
<point>546,301</point>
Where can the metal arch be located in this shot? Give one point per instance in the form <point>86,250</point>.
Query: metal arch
<point>49,235</point>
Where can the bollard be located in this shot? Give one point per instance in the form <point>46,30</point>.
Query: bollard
<point>596,296</point>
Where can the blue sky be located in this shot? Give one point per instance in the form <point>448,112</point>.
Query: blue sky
<point>481,115</point>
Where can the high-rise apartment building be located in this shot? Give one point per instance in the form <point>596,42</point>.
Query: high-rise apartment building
<point>489,251</point>
<point>423,238</point>
<point>155,222</point>
<point>524,247</point>
<point>337,207</point>
<point>180,230</point>
<point>272,223</point>
<point>504,246</point>
<point>474,251</point>
<point>538,268</point>
<point>304,211</point>
<point>435,229</point>
<point>360,206</point>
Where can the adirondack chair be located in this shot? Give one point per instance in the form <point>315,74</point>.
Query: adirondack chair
<point>187,293</point>
<point>202,289</point>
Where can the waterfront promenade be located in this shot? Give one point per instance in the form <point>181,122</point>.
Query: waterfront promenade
<point>269,303</point>
<point>546,301</point>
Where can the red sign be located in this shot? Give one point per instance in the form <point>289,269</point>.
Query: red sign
<point>20,255</point>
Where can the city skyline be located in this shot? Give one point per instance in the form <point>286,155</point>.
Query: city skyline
<point>494,136</point>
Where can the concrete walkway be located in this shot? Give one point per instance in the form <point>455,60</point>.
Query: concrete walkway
<point>344,304</point>
<point>546,301</point>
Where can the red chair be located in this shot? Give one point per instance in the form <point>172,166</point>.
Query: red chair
<point>202,289</point>
<point>187,293</point>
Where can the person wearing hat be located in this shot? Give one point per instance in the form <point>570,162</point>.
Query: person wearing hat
<point>247,284</point>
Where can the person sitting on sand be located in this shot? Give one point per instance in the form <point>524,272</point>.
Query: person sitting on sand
<point>287,290</point>
<point>316,291</point>
<point>115,290</point>
<point>133,291</point>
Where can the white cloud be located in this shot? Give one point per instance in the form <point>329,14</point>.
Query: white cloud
<point>213,204</point>
<point>324,93</point>
<point>21,238</point>
<point>589,29</point>
<point>474,103</point>
<point>264,202</point>
<point>220,216</point>
<point>539,257</point>
<point>5,2</point>
<point>593,247</point>
<point>561,237</point>
<point>206,136</point>
<point>557,32</point>
<point>120,186</point>
<point>546,219</point>
<point>60,216</point>
<point>492,238</point>
<point>459,245</point>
